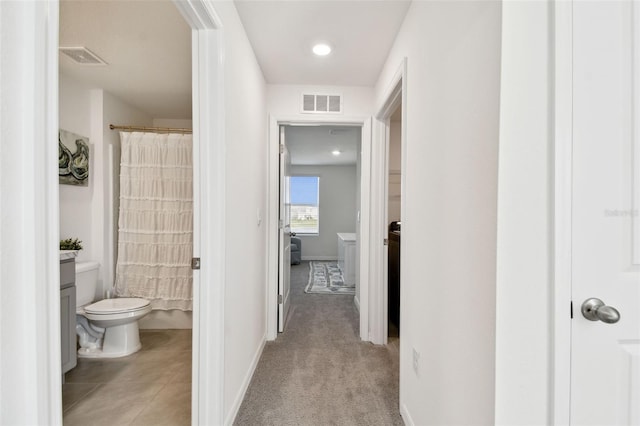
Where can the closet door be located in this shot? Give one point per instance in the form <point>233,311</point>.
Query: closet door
<point>605,355</point>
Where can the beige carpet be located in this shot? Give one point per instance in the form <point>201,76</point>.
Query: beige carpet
<point>318,372</point>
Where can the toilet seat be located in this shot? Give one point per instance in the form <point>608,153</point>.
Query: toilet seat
<point>117,306</point>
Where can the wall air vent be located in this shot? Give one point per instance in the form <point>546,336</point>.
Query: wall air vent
<point>331,104</point>
<point>82,56</point>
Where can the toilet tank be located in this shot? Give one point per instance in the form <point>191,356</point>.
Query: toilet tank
<point>86,282</point>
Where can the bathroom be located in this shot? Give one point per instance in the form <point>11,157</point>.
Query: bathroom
<point>146,82</point>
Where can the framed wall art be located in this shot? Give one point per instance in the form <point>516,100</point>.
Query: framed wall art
<point>73,159</point>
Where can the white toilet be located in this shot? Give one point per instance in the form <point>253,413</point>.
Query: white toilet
<point>109,327</point>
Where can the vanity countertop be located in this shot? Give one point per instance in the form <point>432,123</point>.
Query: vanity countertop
<point>68,254</point>
<point>347,236</point>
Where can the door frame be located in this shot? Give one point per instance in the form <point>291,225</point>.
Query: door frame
<point>562,80</point>
<point>207,371</point>
<point>30,363</point>
<point>275,121</point>
<point>45,395</point>
<point>395,96</point>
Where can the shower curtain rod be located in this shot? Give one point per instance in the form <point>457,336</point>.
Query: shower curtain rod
<point>150,129</point>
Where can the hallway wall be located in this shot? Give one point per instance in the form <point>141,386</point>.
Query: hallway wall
<point>245,198</point>
<point>525,201</point>
<point>449,224</point>
<point>286,100</point>
<point>29,262</point>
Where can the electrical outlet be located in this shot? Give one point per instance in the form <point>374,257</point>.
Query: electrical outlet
<point>416,361</point>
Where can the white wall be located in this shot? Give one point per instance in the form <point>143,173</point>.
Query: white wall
<point>337,209</point>
<point>524,244</point>
<point>177,123</point>
<point>449,222</point>
<point>29,262</point>
<point>286,100</point>
<point>75,201</point>
<point>246,189</point>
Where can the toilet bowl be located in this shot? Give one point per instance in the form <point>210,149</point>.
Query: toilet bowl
<point>107,328</point>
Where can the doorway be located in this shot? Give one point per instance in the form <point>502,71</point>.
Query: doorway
<point>388,185</point>
<point>208,380</point>
<point>91,99</point>
<point>394,225</point>
<point>319,211</point>
<point>362,213</point>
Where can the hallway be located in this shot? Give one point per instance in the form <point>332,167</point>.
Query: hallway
<point>318,372</point>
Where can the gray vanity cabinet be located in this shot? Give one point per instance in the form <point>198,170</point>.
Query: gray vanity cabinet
<point>68,313</point>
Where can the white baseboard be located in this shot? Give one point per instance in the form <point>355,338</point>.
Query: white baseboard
<point>356,302</point>
<point>319,258</point>
<point>406,417</point>
<point>237,402</point>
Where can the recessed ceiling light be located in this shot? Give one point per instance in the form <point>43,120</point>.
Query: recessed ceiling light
<point>335,152</point>
<point>322,49</point>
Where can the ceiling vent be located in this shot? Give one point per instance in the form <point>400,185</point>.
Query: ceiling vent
<point>82,56</point>
<point>322,103</point>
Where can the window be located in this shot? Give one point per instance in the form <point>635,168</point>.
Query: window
<point>305,208</point>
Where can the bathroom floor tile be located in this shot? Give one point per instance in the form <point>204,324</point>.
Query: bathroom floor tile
<point>112,404</point>
<point>152,386</point>
<point>166,340</point>
<point>98,370</point>
<point>152,367</point>
<point>160,355</point>
<point>73,392</point>
<point>183,371</point>
<point>171,406</point>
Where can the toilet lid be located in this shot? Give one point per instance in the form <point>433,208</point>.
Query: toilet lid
<point>115,306</point>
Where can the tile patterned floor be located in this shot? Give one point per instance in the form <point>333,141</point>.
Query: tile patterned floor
<point>150,387</point>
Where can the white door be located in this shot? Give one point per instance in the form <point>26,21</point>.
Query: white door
<point>284,258</point>
<point>605,357</point>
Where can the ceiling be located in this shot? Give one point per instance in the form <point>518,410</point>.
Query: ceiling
<point>312,145</point>
<point>361,33</point>
<point>147,45</point>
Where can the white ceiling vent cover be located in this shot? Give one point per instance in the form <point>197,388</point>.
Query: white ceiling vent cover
<point>82,56</point>
<point>322,103</point>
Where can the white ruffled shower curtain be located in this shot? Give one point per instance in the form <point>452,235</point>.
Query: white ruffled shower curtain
<point>155,225</point>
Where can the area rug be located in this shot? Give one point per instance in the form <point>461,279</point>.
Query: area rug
<point>326,278</point>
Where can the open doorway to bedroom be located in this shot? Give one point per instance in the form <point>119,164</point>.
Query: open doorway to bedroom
<point>324,204</point>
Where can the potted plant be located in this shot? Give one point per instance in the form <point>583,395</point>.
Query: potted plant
<point>71,244</point>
